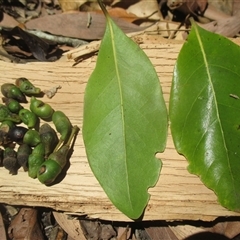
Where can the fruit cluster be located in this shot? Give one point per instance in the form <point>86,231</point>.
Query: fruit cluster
<point>33,145</point>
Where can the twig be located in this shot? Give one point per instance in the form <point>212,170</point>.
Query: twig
<point>74,42</point>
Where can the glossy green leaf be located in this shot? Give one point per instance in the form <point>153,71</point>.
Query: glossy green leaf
<point>125,122</point>
<point>205,112</point>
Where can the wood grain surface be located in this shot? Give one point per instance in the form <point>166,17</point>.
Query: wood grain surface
<point>178,195</point>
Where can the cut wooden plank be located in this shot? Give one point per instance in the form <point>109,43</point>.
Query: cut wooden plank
<point>178,195</point>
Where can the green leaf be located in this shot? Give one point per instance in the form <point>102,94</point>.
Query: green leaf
<point>205,112</point>
<point>125,122</point>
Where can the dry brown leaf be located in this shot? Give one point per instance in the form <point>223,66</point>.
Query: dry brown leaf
<point>214,14</point>
<point>20,42</point>
<point>17,51</point>
<point>2,229</point>
<point>123,233</point>
<point>70,226</point>
<point>123,14</point>
<point>183,231</point>
<point>201,4</point>
<point>227,27</point>
<point>159,233</point>
<point>96,230</point>
<point>76,25</point>
<point>8,21</point>
<point>188,6</point>
<point>92,5</point>
<point>228,229</point>
<point>236,7</point>
<point>67,5</point>
<point>25,226</point>
<point>145,9</point>
<point>108,232</point>
<point>225,6</point>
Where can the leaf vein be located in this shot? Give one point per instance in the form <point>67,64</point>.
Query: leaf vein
<point>214,97</point>
<point>121,100</point>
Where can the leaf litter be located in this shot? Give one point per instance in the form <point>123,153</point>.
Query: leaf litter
<point>56,21</point>
<point>170,22</point>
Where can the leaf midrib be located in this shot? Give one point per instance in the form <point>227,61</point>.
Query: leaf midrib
<point>121,100</point>
<point>214,96</point>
